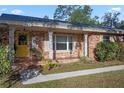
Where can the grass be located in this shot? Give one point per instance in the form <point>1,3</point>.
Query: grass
<point>79,66</point>
<point>110,79</point>
<point>102,80</point>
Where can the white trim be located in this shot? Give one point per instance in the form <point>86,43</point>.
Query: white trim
<point>62,51</point>
<point>50,36</point>
<point>55,42</point>
<point>11,44</point>
<point>67,44</point>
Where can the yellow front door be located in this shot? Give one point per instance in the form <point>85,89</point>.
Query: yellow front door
<point>22,44</point>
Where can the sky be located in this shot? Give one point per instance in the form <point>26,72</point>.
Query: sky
<point>42,10</point>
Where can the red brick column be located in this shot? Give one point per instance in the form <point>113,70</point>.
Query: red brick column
<point>93,40</point>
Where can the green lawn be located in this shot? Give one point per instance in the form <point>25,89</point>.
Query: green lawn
<point>110,79</point>
<point>103,80</point>
<point>80,66</point>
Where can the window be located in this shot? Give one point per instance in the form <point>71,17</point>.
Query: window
<point>22,39</point>
<point>106,38</point>
<point>62,42</point>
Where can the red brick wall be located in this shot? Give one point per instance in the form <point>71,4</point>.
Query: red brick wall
<point>76,53</point>
<point>4,37</point>
<point>93,40</point>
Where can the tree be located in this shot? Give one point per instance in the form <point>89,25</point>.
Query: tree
<point>94,21</point>
<point>121,25</point>
<point>62,12</point>
<point>110,19</point>
<point>81,15</point>
<point>46,17</point>
<point>76,14</point>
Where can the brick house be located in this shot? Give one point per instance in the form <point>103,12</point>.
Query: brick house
<point>56,40</point>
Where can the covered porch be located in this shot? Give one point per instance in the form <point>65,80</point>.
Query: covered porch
<point>61,45</point>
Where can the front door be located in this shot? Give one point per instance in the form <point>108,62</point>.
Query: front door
<point>22,44</point>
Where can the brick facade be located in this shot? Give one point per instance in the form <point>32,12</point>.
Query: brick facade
<point>4,37</point>
<point>93,39</point>
<point>76,53</point>
<point>78,45</point>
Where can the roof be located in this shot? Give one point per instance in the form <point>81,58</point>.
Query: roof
<point>14,17</point>
<point>41,21</point>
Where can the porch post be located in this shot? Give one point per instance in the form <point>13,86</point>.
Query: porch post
<point>50,35</point>
<point>11,44</point>
<point>85,44</point>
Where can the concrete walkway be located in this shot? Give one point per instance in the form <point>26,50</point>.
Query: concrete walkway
<point>43,78</point>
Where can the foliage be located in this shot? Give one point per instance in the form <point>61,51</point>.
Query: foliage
<point>121,52</point>
<point>121,25</point>
<point>112,50</point>
<point>100,51</point>
<point>106,51</point>
<point>95,21</point>
<point>110,19</point>
<point>85,59</point>
<point>50,65</point>
<point>46,17</point>
<point>81,15</point>
<point>5,64</point>
<point>62,12</point>
<point>76,14</point>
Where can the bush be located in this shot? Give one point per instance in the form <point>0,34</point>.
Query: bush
<point>5,64</point>
<point>106,51</point>
<point>112,50</point>
<point>50,64</point>
<point>121,52</point>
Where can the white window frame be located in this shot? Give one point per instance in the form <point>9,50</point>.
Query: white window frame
<point>67,49</point>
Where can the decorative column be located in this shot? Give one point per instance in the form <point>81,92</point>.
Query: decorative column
<point>50,36</point>
<point>85,44</point>
<point>11,44</point>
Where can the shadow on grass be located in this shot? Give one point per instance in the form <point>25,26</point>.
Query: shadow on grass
<point>12,79</point>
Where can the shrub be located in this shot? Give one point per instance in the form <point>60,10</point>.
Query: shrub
<point>49,64</point>
<point>121,52</point>
<point>100,51</point>
<point>106,51</point>
<point>52,65</point>
<point>112,50</point>
<point>5,64</point>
